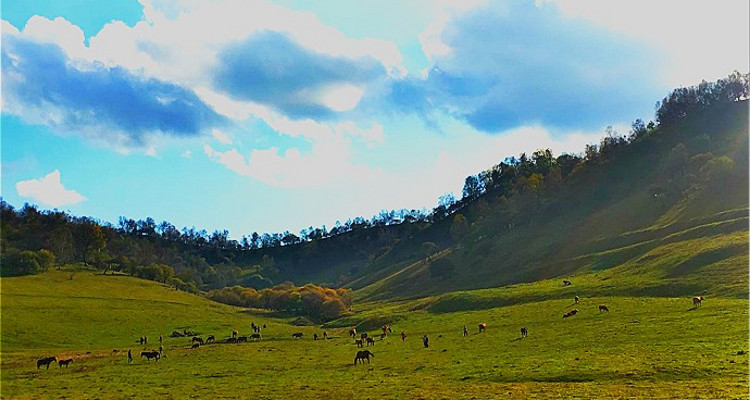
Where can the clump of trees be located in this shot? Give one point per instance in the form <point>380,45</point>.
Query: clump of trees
<point>312,301</point>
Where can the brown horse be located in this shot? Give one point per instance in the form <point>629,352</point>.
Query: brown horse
<point>697,300</point>
<point>482,327</point>
<point>570,313</point>
<point>370,341</point>
<point>363,355</point>
<point>64,362</point>
<point>45,361</point>
<point>359,342</point>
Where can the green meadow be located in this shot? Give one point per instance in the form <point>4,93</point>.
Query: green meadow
<point>645,347</point>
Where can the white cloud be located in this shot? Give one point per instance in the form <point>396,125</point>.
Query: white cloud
<point>222,137</point>
<point>326,163</point>
<point>703,39</point>
<point>49,191</point>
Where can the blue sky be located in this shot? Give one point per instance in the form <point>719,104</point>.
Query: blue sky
<point>270,116</point>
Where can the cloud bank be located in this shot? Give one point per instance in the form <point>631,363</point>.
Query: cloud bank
<point>49,191</point>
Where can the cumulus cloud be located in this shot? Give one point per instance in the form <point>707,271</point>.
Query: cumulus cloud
<point>111,104</point>
<point>515,63</point>
<point>49,191</point>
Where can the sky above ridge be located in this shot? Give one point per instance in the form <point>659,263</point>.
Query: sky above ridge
<point>279,115</point>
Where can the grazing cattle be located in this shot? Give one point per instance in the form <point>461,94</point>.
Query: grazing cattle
<point>359,342</point>
<point>466,331</point>
<point>403,336</point>
<point>697,300</point>
<point>297,335</point>
<point>363,336</point>
<point>602,307</point>
<point>570,313</point>
<point>45,361</point>
<point>386,329</point>
<point>353,332</point>
<point>524,332</point>
<point>566,283</point>
<point>325,335</point>
<point>482,327</point>
<point>383,336</point>
<point>176,334</point>
<point>255,336</point>
<point>231,340</point>
<point>150,354</point>
<point>196,339</point>
<point>370,341</point>
<point>315,336</point>
<point>210,338</point>
<point>242,339</point>
<point>363,355</point>
<point>576,299</point>
<point>195,345</point>
<point>426,341</point>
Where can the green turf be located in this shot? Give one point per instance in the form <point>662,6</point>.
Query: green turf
<point>645,347</point>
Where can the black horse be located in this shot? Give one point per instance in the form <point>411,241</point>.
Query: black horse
<point>363,355</point>
<point>45,361</point>
<point>151,354</point>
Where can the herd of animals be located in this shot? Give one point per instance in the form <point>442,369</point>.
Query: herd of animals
<point>364,338</point>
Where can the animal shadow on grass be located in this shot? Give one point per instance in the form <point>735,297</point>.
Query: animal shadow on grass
<point>693,308</point>
<point>516,339</point>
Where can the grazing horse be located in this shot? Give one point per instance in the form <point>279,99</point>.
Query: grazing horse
<point>297,335</point>
<point>403,336</point>
<point>363,355</point>
<point>359,342</point>
<point>45,361</point>
<point>482,327</point>
<point>315,336</point>
<point>524,332</point>
<point>196,339</point>
<point>386,329</point>
<point>602,307</point>
<point>150,354</point>
<point>64,362</point>
<point>255,336</point>
<point>697,300</point>
<point>353,332</point>
<point>576,299</point>
<point>570,313</point>
<point>210,338</point>
<point>325,335</point>
<point>195,345</point>
<point>370,341</point>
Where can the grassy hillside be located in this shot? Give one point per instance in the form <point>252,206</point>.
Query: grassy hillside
<point>643,203</point>
<point>645,347</point>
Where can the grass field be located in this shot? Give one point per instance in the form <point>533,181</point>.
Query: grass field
<point>645,347</point>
